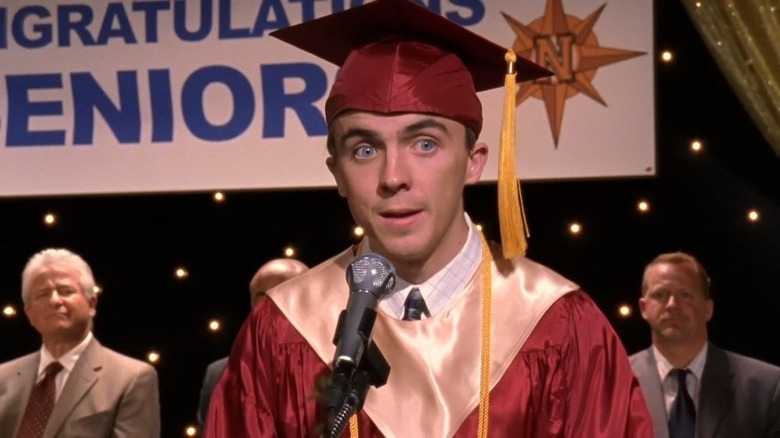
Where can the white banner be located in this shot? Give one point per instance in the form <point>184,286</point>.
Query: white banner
<point>191,95</point>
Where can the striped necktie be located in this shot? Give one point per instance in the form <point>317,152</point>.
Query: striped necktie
<point>414,307</point>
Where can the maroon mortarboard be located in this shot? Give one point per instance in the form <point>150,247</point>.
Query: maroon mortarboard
<point>399,57</point>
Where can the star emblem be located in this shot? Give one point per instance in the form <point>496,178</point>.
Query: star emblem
<point>567,46</point>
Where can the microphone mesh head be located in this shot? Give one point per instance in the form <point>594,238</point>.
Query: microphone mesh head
<point>372,273</point>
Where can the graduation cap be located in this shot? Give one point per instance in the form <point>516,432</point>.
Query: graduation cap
<point>399,57</point>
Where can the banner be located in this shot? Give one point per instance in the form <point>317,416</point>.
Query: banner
<point>193,95</point>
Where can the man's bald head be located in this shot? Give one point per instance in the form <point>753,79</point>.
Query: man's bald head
<point>273,273</point>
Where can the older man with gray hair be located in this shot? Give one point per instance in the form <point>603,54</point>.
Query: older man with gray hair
<point>72,386</point>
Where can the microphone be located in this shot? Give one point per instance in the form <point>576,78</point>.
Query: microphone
<point>370,277</point>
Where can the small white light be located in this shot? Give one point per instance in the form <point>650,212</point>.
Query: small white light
<point>214,325</point>
<point>153,357</point>
<point>624,310</point>
<point>696,145</point>
<point>359,231</point>
<point>97,289</point>
<point>643,206</point>
<point>181,273</point>
<point>575,228</point>
<point>219,196</point>
<point>49,219</point>
<point>667,56</point>
<point>9,311</point>
<point>478,227</point>
<point>289,251</point>
<point>191,431</point>
<point>753,216</point>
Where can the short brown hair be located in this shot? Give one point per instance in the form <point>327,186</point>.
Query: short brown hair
<point>680,258</point>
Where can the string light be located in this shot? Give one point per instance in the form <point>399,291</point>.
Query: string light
<point>478,227</point>
<point>696,146</point>
<point>50,219</point>
<point>289,251</point>
<point>214,325</point>
<point>753,216</point>
<point>575,228</point>
<point>643,206</point>
<point>667,56</point>
<point>190,430</point>
<point>97,289</point>
<point>359,231</point>
<point>153,357</point>
<point>625,310</point>
<point>219,196</point>
<point>9,311</point>
<point>182,273</point>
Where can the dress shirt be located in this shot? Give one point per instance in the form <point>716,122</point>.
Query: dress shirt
<point>696,368</point>
<point>68,361</point>
<point>444,287</point>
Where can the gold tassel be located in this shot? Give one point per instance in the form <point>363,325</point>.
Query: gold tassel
<point>511,215</point>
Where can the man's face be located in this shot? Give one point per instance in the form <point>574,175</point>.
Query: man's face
<point>403,177</point>
<point>674,305</point>
<point>56,307</point>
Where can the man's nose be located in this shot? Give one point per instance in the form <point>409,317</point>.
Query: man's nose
<point>395,171</point>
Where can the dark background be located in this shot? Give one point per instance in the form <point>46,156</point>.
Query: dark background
<point>699,204</point>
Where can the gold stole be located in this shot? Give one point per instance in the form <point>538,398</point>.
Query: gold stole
<point>434,363</point>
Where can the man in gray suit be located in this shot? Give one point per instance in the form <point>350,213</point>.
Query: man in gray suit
<point>270,275</point>
<point>72,386</point>
<point>724,394</point>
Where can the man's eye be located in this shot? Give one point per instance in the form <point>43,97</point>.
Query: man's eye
<point>365,151</point>
<point>426,145</point>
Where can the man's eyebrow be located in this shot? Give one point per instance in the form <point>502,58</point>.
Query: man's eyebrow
<point>358,132</point>
<point>426,123</point>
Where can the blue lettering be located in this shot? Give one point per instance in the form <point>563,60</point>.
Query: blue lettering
<point>162,105</point>
<point>125,30</point>
<point>42,30</point>
<point>3,28</point>
<point>21,109</point>
<point>83,17</point>
<point>180,20</point>
<point>476,7</point>
<point>124,119</point>
<point>263,23</point>
<point>303,103</point>
<point>225,31</point>
<point>150,10</point>
<point>194,111</point>
<point>307,7</point>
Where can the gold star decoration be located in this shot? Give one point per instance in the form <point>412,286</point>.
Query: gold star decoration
<point>567,46</point>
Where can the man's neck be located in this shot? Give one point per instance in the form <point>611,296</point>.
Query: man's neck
<point>58,347</point>
<point>679,354</point>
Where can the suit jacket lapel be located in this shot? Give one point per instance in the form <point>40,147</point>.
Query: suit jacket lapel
<point>647,374</point>
<point>85,373</point>
<point>17,390</point>
<point>716,394</point>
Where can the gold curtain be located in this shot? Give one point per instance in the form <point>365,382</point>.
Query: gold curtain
<point>744,38</point>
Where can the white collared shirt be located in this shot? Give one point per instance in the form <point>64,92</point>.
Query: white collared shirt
<point>68,361</point>
<point>693,380</point>
<point>445,286</point>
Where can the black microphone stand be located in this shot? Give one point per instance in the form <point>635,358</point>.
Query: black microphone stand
<point>349,383</point>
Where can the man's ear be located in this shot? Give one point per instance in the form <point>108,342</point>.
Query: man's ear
<point>334,170</point>
<point>477,159</point>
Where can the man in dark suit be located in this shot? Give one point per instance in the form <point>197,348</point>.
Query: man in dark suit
<point>72,386</point>
<point>724,394</point>
<point>269,275</point>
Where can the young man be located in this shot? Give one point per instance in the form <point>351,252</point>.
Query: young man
<point>505,347</point>
<point>72,386</point>
<point>725,394</point>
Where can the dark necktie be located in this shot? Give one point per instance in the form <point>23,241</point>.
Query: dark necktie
<point>40,405</point>
<point>414,306</point>
<point>682,418</point>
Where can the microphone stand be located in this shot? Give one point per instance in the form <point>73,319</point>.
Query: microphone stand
<point>349,384</point>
